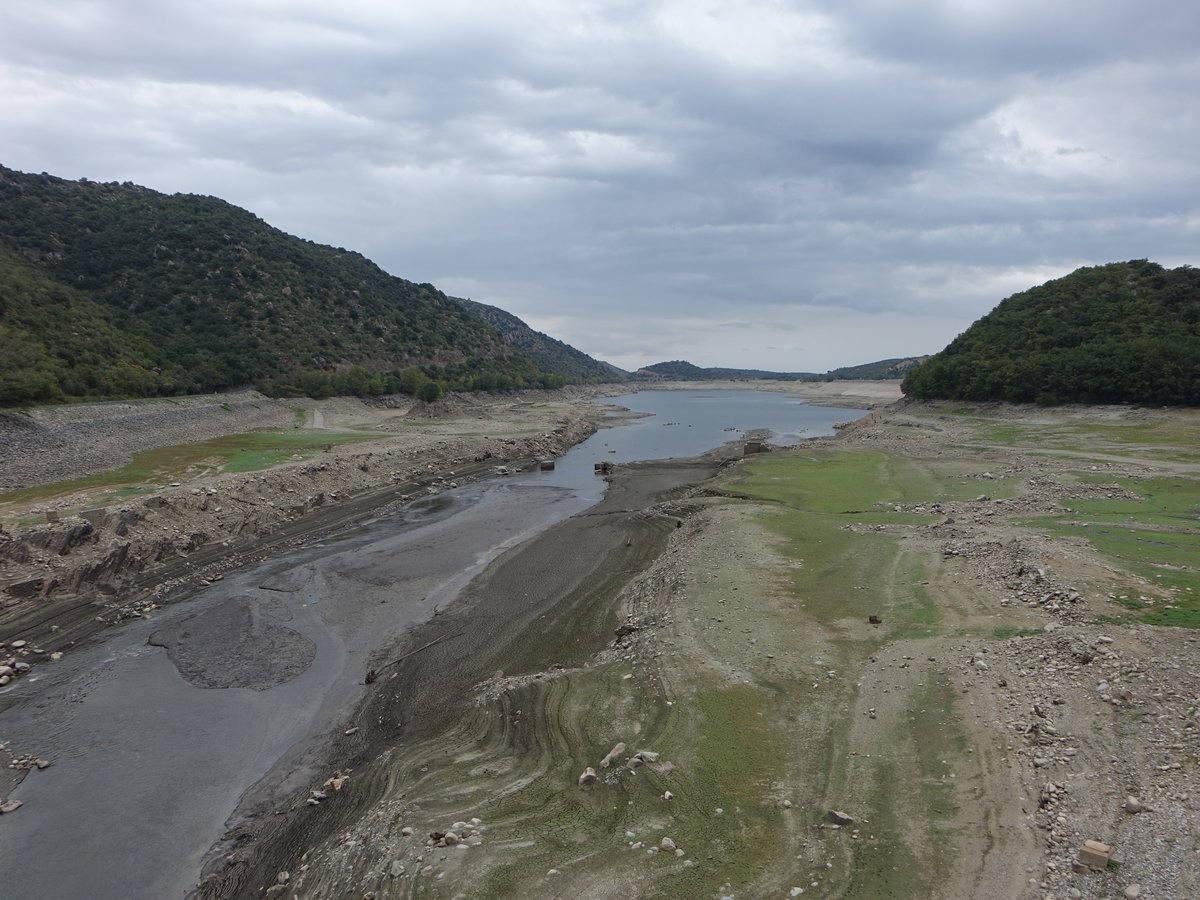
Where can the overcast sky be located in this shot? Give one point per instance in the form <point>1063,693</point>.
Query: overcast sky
<point>783,185</point>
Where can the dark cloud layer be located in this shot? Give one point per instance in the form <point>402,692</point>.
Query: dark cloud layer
<point>793,185</point>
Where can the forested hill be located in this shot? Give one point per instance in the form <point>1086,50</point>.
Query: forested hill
<point>550,354</point>
<point>682,370</point>
<point>1120,333</point>
<point>111,290</point>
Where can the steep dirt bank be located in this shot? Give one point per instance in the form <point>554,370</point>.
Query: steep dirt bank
<point>91,555</point>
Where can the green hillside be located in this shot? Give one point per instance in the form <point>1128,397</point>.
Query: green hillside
<point>883,370</point>
<point>547,353</point>
<point>194,294</point>
<point>55,340</point>
<point>1119,333</point>
<point>682,370</point>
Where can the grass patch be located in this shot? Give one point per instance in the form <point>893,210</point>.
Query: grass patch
<point>231,453</point>
<point>907,841</point>
<point>1156,538</point>
<point>855,574</point>
<point>1004,632</point>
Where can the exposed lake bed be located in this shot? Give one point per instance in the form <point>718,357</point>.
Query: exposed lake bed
<point>906,624</point>
<point>333,612</point>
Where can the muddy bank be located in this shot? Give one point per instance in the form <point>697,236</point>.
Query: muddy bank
<point>552,601</point>
<point>84,569</point>
<point>201,740</point>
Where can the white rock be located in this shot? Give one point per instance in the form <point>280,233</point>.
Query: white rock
<point>666,844</point>
<point>612,754</point>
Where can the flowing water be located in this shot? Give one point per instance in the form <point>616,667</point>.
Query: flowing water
<point>148,764</point>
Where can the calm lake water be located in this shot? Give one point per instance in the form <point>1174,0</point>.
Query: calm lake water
<point>148,768</point>
<point>688,423</point>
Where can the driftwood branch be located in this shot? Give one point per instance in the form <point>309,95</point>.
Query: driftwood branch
<point>373,674</point>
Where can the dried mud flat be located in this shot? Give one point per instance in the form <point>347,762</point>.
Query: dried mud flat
<point>717,620</point>
<point>752,732</point>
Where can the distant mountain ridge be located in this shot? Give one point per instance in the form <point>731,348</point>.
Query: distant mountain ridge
<point>1125,332</point>
<point>188,294</point>
<point>549,354</point>
<point>682,370</point>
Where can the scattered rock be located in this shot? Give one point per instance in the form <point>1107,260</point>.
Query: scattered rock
<point>588,776</point>
<point>837,817</point>
<point>612,754</point>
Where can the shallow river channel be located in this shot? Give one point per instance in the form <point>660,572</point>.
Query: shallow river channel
<point>152,750</point>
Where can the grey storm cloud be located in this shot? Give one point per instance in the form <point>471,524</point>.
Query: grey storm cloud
<point>787,185</point>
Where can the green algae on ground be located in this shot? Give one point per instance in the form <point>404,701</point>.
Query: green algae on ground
<point>245,452</point>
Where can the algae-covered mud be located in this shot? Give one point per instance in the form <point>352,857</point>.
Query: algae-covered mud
<point>882,665</point>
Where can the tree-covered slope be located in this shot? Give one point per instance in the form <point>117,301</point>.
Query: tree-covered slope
<point>549,354</point>
<point>55,340</point>
<point>682,370</point>
<point>203,295</point>
<point>881,370</point>
<point>1119,333</point>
